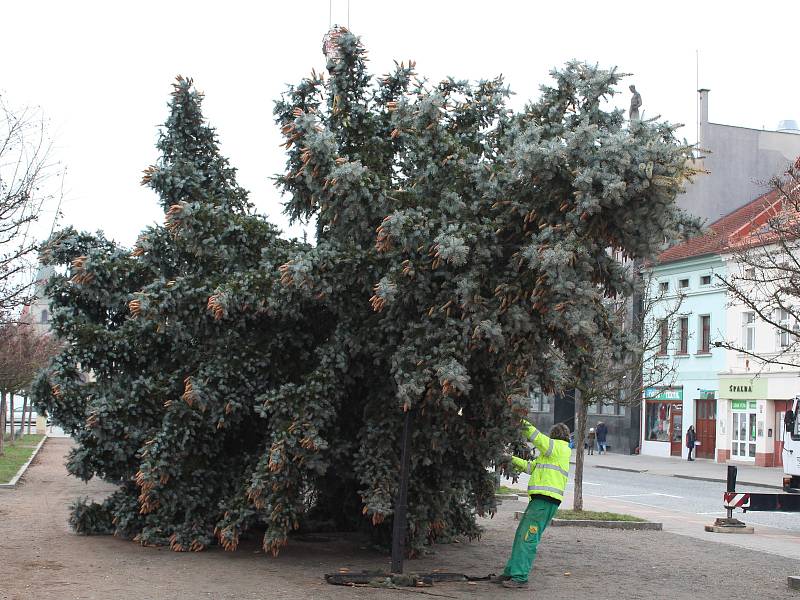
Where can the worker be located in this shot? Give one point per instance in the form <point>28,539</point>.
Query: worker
<point>548,480</point>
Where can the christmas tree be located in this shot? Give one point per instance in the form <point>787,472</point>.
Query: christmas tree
<point>245,383</point>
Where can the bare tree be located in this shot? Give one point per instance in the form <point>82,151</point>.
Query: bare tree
<point>767,278</point>
<point>23,353</point>
<point>25,168</point>
<point>627,367</point>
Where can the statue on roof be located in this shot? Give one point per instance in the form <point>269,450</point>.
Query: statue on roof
<point>636,102</point>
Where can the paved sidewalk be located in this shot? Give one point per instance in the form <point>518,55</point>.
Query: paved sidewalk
<point>43,560</point>
<point>701,468</point>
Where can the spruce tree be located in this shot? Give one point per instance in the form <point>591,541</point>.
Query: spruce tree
<point>160,396</point>
<point>242,382</point>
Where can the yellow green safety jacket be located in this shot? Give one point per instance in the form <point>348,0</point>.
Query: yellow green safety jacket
<point>550,469</point>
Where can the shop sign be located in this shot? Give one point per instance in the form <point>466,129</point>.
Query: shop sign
<point>743,389</point>
<point>671,393</point>
<point>743,404</point>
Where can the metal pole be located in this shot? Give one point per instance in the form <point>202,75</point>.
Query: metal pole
<point>731,485</point>
<point>401,505</point>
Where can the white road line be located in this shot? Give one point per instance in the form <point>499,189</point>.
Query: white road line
<point>667,495</point>
<point>628,495</point>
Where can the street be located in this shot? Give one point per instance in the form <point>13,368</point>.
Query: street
<point>684,506</point>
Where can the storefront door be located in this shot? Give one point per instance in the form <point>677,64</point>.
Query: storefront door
<point>780,412</point>
<point>706,426</point>
<point>743,436</point>
<point>676,430</point>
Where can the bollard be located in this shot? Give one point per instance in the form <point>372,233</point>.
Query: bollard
<point>731,485</point>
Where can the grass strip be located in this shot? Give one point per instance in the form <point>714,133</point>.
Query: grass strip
<point>593,515</point>
<point>17,454</point>
<point>504,489</point>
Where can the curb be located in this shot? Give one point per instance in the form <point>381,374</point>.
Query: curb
<point>621,469</point>
<point>15,479</point>
<point>738,482</point>
<point>626,525</point>
<point>509,496</point>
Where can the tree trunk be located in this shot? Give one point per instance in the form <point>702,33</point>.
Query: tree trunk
<point>22,421</point>
<point>11,414</point>
<point>2,420</point>
<point>30,417</point>
<point>580,435</point>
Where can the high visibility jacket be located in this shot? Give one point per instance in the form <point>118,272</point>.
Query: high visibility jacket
<point>550,469</point>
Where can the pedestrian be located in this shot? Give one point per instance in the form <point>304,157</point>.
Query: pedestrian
<point>691,438</point>
<point>548,479</point>
<point>592,439</point>
<point>602,433</point>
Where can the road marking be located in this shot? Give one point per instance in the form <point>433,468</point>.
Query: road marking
<point>667,495</point>
<point>628,495</point>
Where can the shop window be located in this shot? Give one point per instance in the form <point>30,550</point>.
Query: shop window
<point>683,333</point>
<point>657,419</point>
<point>749,330</point>
<point>705,335</point>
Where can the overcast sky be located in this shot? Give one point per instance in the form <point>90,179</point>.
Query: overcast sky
<point>101,72</point>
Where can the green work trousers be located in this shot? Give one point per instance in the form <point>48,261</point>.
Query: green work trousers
<point>531,527</point>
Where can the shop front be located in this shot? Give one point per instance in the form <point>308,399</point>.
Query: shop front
<point>750,424</point>
<point>663,421</point>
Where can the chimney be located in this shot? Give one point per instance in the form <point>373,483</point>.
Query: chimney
<point>702,114</point>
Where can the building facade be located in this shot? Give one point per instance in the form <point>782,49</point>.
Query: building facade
<point>689,316</point>
<point>736,399</point>
<point>737,164</point>
<point>755,393</point>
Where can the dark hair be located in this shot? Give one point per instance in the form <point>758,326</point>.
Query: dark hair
<point>560,432</point>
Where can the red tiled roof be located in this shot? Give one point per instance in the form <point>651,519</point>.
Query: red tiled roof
<point>720,235</point>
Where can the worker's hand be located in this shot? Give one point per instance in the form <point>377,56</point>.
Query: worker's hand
<point>505,459</point>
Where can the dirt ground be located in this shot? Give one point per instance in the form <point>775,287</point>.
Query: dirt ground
<point>41,558</point>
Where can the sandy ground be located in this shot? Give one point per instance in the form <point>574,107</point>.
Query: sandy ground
<point>41,558</point>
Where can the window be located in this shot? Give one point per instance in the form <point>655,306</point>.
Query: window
<point>683,283</point>
<point>705,280</point>
<point>663,326</point>
<point>783,334</point>
<point>592,409</point>
<point>705,334</point>
<point>663,286</point>
<point>45,317</point>
<point>540,402</point>
<point>683,332</point>
<point>749,331</point>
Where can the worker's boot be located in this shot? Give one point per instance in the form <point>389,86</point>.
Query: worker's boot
<point>515,585</point>
<point>499,578</point>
